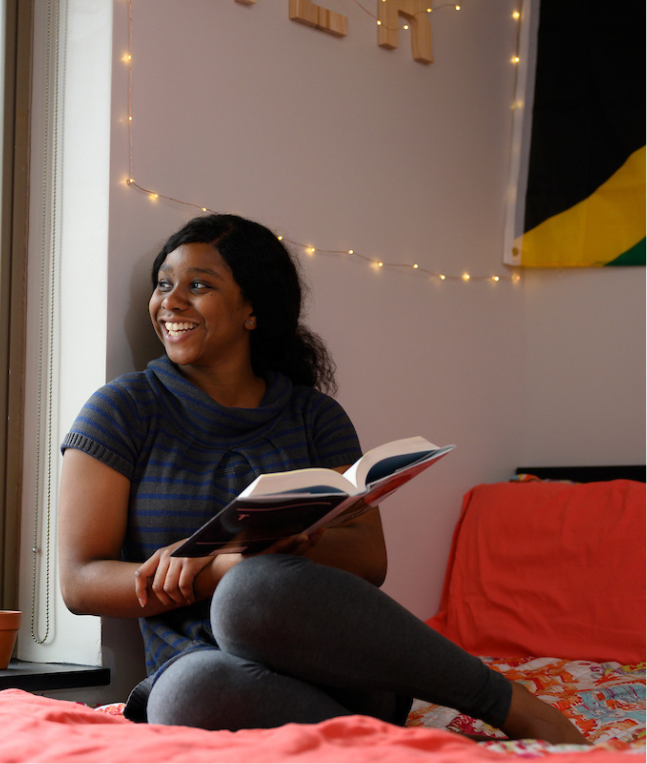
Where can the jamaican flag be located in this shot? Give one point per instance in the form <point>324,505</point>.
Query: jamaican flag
<point>580,142</point>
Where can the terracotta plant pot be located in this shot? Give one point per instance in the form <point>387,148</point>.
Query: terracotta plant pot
<point>9,625</point>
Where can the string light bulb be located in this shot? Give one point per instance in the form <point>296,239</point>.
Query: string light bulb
<point>515,59</point>
<point>516,15</point>
<point>466,277</point>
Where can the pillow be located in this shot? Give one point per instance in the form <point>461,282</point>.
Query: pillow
<point>548,569</point>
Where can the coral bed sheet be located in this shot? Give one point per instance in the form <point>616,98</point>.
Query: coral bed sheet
<point>605,700</point>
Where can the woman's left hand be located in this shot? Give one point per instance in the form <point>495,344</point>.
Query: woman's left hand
<point>171,578</point>
<point>299,544</point>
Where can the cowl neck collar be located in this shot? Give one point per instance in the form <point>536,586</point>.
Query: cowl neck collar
<point>192,409</point>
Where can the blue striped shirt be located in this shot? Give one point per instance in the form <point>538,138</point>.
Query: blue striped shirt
<point>187,457</point>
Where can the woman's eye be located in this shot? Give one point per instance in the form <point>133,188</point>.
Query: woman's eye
<point>199,285</point>
<point>163,285</point>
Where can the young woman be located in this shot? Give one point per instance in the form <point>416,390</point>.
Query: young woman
<point>300,632</point>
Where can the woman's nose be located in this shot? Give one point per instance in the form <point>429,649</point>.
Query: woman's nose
<point>174,300</point>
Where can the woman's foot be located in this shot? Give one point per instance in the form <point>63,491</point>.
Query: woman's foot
<point>530,717</point>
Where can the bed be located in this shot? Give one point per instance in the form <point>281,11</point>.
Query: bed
<point>545,581</point>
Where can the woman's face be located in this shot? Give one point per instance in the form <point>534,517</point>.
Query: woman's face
<point>198,310</point>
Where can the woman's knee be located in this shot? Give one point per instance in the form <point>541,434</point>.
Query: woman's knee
<point>213,690</point>
<point>200,689</point>
<point>262,575</point>
<point>256,592</point>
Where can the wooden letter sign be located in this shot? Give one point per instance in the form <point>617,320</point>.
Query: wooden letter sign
<point>313,15</point>
<point>415,11</point>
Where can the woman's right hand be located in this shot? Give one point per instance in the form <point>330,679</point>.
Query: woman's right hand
<point>171,579</point>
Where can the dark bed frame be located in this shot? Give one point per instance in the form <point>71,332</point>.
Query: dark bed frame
<point>587,474</point>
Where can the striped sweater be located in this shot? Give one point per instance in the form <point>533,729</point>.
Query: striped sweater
<point>187,457</point>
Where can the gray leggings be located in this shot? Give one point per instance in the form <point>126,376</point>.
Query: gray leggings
<point>302,642</point>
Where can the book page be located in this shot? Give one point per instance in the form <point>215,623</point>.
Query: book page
<point>409,450</point>
<point>319,479</point>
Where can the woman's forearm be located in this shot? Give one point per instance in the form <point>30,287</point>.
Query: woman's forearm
<point>107,588</point>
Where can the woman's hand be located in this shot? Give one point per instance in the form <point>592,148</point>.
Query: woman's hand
<point>171,578</point>
<point>299,545</point>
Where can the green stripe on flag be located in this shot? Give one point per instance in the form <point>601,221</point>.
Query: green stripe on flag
<point>633,256</point>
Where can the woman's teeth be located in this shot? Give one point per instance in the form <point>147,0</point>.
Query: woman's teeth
<point>176,329</point>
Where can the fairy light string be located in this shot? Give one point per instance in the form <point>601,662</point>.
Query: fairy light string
<point>405,26</point>
<point>308,249</point>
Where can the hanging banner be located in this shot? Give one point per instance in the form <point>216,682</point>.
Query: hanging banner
<point>577,190</point>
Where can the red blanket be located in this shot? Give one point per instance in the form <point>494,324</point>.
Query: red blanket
<point>38,729</point>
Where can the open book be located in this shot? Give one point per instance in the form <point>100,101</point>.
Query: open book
<point>281,504</point>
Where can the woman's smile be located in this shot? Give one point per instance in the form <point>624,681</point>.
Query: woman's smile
<point>178,329</point>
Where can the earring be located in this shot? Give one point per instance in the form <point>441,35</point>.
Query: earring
<point>251,323</point>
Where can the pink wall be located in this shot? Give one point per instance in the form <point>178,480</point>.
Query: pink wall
<point>342,144</point>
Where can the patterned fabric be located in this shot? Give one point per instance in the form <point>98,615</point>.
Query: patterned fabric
<point>605,700</point>
<point>524,477</point>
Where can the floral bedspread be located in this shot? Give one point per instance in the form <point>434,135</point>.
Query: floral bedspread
<point>605,700</point>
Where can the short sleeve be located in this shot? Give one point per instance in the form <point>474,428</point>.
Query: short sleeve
<point>108,428</point>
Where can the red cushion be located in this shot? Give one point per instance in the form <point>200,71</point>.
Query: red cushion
<point>548,569</point>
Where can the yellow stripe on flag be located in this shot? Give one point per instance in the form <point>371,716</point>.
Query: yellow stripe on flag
<point>596,230</point>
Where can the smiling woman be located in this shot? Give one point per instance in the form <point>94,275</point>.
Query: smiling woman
<point>238,392</point>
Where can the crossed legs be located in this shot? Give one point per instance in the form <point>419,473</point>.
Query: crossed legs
<point>301,642</point>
